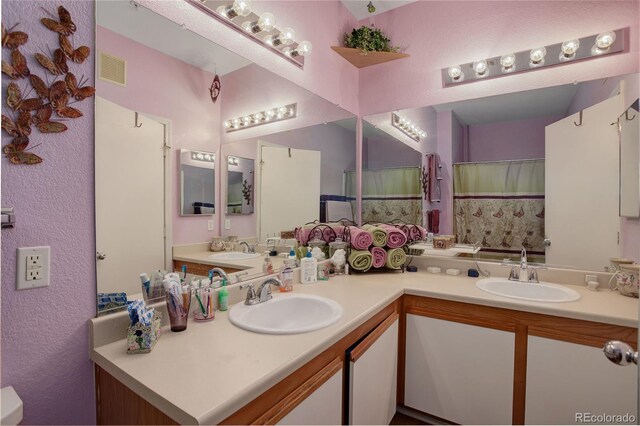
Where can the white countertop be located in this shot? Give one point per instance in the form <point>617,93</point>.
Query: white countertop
<point>211,370</point>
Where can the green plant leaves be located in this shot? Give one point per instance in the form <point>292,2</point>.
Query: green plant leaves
<point>368,39</point>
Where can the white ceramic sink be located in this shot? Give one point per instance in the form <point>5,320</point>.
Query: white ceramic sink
<point>535,292</point>
<point>286,314</point>
<point>234,255</point>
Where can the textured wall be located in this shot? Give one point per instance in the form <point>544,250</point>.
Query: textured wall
<point>153,80</point>
<point>45,337</point>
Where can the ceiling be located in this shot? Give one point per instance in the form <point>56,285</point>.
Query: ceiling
<point>156,32</point>
<point>513,106</point>
<point>358,8</point>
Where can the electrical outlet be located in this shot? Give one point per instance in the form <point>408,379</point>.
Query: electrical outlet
<point>590,278</point>
<point>33,267</point>
<point>227,224</point>
<point>209,225</point>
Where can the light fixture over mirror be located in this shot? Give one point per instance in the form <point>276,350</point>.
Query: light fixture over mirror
<point>407,127</point>
<point>267,116</point>
<point>261,28</point>
<point>569,51</point>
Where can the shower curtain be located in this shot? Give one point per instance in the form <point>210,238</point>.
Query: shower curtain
<point>389,194</point>
<point>501,205</point>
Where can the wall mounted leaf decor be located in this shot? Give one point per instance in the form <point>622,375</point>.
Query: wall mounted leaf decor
<point>53,95</point>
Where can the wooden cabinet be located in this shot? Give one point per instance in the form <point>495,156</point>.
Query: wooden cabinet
<point>565,379</point>
<point>373,368</point>
<point>201,269</point>
<point>459,372</point>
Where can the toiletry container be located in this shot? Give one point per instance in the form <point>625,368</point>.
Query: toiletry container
<point>286,276</point>
<point>223,297</point>
<point>308,269</point>
<point>293,259</point>
<point>267,266</point>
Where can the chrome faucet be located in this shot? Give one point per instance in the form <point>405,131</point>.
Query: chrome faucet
<point>219,272</point>
<point>264,291</point>
<point>248,248</point>
<point>524,272</point>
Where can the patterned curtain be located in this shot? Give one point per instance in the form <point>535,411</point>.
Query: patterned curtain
<point>389,194</point>
<point>500,205</point>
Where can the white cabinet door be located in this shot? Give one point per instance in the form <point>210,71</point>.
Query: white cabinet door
<point>461,373</point>
<point>565,380</point>
<point>373,376</point>
<point>322,407</point>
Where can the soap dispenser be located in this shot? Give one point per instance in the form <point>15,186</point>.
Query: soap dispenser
<point>308,269</point>
<point>293,259</point>
<point>267,266</point>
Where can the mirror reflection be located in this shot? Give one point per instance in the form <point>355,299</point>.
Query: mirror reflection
<point>240,184</point>
<point>512,171</point>
<point>154,78</point>
<point>197,182</point>
<point>629,162</point>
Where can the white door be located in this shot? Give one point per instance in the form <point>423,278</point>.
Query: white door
<point>130,197</point>
<point>289,189</point>
<point>581,188</point>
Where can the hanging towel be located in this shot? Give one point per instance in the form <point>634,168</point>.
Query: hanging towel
<point>379,235</point>
<point>379,256</point>
<point>360,239</point>
<point>435,173</point>
<point>360,260</point>
<point>396,258</point>
<point>433,221</point>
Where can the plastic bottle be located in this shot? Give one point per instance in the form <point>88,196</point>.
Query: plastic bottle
<point>308,269</point>
<point>267,266</point>
<point>223,297</point>
<point>286,276</point>
<point>293,259</point>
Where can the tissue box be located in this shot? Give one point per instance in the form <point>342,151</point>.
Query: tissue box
<point>142,339</point>
<point>444,241</point>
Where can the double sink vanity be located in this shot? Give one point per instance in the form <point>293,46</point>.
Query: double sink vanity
<point>433,343</point>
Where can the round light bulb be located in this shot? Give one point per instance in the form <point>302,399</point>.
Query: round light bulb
<point>291,111</point>
<point>569,48</point>
<point>455,72</point>
<point>480,67</point>
<point>605,40</point>
<point>241,7</point>
<point>287,35</point>
<point>257,117</point>
<point>508,61</point>
<point>227,124</point>
<point>236,121</point>
<point>304,48</point>
<point>222,10</point>
<point>282,110</point>
<point>200,156</point>
<point>270,113</point>
<point>537,55</point>
<point>247,26</point>
<point>287,51</point>
<point>267,21</point>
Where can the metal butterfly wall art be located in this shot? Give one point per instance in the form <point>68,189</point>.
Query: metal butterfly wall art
<point>53,95</point>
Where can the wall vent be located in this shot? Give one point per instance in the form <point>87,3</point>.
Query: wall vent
<point>112,69</point>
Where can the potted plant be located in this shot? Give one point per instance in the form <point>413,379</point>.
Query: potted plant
<point>368,39</point>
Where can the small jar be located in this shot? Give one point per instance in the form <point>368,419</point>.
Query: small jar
<point>335,245</point>
<point>616,262</point>
<point>321,244</point>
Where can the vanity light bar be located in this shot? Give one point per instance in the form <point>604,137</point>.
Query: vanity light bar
<point>232,161</point>
<point>203,156</point>
<point>272,115</point>
<point>407,127</point>
<point>570,50</point>
<point>259,28</point>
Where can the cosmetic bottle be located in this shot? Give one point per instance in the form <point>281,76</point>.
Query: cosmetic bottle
<point>308,269</point>
<point>223,297</point>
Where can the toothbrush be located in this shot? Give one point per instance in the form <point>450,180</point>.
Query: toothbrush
<point>184,272</point>
<point>200,303</point>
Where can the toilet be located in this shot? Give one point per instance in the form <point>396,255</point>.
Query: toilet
<point>11,407</point>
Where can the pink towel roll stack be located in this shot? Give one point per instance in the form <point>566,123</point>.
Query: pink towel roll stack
<point>379,256</point>
<point>360,239</point>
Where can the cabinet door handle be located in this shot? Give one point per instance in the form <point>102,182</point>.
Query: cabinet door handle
<point>620,353</point>
<point>101,256</point>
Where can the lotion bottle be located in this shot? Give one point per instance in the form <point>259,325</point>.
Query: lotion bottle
<point>308,269</point>
<point>286,276</point>
<point>223,297</point>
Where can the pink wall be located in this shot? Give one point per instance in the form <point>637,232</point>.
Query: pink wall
<point>336,145</point>
<point>256,89</point>
<point>509,140</point>
<point>321,22</point>
<point>378,153</point>
<point>438,34</point>
<point>45,337</point>
<point>153,82</point>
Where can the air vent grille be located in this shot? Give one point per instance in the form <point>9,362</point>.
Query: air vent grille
<point>113,69</point>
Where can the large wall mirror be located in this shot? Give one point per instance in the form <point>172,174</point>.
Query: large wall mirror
<point>539,169</point>
<point>153,103</point>
<point>629,130</point>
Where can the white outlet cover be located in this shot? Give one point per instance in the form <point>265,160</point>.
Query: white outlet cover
<point>25,261</point>
<point>210,225</point>
<point>227,224</point>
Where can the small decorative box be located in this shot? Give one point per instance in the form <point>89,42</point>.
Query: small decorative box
<point>443,241</point>
<point>141,338</point>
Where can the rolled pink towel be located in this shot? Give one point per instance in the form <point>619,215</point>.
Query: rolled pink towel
<point>423,232</point>
<point>303,235</point>
<point>414,233</point>
<point>379,256</point>
<point>395,237</point>
<point>360,239</point>
<point>331,232</point>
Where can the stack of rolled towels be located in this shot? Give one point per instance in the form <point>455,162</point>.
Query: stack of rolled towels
<point>327,232</point>
<point>381,246</point>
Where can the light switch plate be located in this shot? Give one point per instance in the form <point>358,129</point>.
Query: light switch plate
<point>209,225</point>
<point>227,224</point>
<point>33,266</point>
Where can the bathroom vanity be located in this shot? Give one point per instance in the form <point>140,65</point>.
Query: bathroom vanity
<point>437,343</point>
